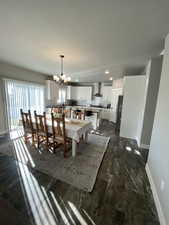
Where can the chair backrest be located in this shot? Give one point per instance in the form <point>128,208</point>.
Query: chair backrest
<point>78,114</point>
<point>58,126</point>
<point>67,113</point>
<point>41,125</point>
<point>57,110</point>
<point>26,120</point>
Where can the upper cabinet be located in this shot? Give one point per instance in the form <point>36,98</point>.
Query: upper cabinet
<point>107,94</point>
<point>80,93</point>
<point>118,83</point>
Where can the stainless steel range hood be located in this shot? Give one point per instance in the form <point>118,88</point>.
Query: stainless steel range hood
<point>98,94</point>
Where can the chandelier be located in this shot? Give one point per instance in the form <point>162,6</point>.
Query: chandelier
<point>61,79</point>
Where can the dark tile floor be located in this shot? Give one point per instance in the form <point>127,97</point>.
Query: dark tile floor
<point>121,196</point>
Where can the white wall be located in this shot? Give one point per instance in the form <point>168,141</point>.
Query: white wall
<point>133,104</point>
<point>2,112</point>
<point>158,160</point>
<point>153,75</point>
<point>19,73</point>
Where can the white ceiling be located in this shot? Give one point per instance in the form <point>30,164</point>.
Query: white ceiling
<point>94,35</point>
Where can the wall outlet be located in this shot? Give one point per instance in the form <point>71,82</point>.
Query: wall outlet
<point>162,185</point>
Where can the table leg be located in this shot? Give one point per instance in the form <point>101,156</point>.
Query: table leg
<point>86,136</point>
<point>71,114</point>
<point>74,148</point>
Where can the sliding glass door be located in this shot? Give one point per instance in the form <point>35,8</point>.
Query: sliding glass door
<point>22,95</point>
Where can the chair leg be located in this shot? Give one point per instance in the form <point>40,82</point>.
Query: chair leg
<point>33,139</point>
<point>38,141</point>
<point>47,143</point>
<point>54,148</point>
<point>25,136</point>
<point>65,150</point>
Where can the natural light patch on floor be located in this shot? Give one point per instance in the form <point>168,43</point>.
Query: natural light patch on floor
<point>46,208</point>
<point>36,198</point>
<point>92,222</point>
<point>34,195</point>
<point>21,152</point>
<point>60,209</point>
<point>16,134</point>
<point>77,213</point>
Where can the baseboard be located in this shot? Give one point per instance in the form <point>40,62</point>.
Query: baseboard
<point>3,132</point>
<point>144,146</point>
<point>156,198</point>
<point>140,145</point>
<point>138,141</point>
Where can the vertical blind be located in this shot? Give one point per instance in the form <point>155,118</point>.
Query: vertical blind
<point>22,95</point>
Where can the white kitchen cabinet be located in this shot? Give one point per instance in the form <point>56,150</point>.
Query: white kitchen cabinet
<point>81,93</point>
<point>107,114</point>
<point>107,94</point>
<point>111,95</point>
<point>93,119</point>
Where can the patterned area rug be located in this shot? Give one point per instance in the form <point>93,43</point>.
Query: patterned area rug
<point>80,171</point>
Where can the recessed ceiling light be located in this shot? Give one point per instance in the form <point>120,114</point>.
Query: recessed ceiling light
<point>106,72</point>
<point>111,78</point>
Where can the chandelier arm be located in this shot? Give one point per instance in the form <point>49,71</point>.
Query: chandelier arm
<point>61,79</point>
<point>61,56</point>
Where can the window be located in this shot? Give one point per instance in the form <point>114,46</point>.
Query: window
<point>23,95</point>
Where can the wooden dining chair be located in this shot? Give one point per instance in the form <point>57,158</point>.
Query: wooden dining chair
<point>41,129</point>
<point>57,110</point>
<point>78,114</point>
<point>59,134</point>
<point>67,113</point>
<point>29,131</point>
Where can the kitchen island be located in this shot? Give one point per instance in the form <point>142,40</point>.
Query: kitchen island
<point>98,113</point>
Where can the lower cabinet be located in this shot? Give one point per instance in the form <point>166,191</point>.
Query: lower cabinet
<point>107,114</point>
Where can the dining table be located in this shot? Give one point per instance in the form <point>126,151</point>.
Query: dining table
<point>75,130</point>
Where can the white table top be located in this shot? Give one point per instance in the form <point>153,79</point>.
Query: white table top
<point>74,128</point>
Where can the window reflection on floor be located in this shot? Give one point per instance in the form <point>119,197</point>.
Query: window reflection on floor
<point>16,133</point>
<point>46,208</point>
